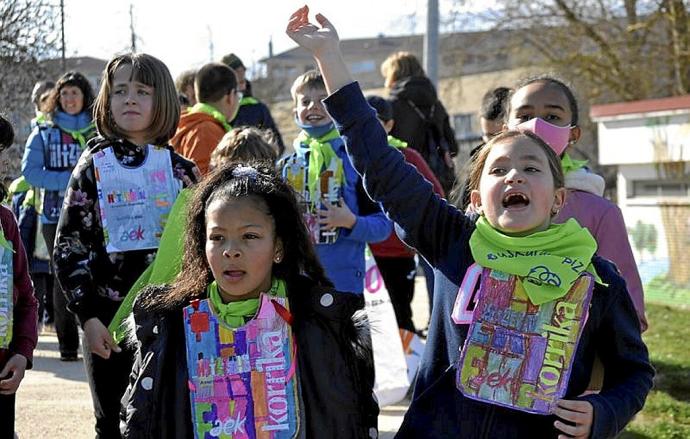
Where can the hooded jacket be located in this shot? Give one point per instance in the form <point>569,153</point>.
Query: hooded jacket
<point>605,222</point>
<point>441,234</point>
<point>408,125</point>
<point>196,137</point>
<point>334,367</point>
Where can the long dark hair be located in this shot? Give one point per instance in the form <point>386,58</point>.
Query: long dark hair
<point>257,180</point>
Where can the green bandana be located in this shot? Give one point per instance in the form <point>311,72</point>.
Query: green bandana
<point>321,155</point>
<point>569,165</point>
<point>200,107</point>
<point>549,261</point>
<point>248,100</point>
<point>396,143</point>
<point>234,313</point>
<point>4,242</point>
<point>78,135</point>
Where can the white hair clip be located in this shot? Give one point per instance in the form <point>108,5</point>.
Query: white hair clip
<point>245,171</point>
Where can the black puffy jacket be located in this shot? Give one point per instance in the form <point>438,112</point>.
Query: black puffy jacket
<point>334,364</point>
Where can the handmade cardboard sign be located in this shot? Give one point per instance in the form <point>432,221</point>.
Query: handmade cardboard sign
<point>242,381</point>
<point>517,354</point>
<point>6,292</point>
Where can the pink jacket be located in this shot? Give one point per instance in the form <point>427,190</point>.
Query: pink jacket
<point>605,222</point>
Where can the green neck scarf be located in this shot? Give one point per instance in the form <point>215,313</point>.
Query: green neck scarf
<point>396,143</point>
<point>248,100</point>
<point>321,155</point>
<point>212,111</point>
<point>4,242</point>
<point>40,118</point>
<point>234,313</point>
<point>79,135</point>
<point>549,261</point>
<point>569,165</point>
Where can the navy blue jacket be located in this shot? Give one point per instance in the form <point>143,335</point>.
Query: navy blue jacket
<point>257,114</point>
<point>441,234</point>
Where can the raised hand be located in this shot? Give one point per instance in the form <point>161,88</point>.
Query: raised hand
<point>323,42</point>
<point>316,39</point>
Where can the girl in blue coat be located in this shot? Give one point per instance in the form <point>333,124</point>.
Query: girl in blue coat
<point>52,151</point>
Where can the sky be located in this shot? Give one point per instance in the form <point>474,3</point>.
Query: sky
<point>179,33</point>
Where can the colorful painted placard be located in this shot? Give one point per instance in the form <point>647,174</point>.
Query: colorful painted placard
<point>295,172</point>
<point>517,354</point>
<point>134,203</point>
<point>242,381</point>
<point>6,291</point>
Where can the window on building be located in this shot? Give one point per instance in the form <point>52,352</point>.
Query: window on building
<point>466,127</point>
<point>660,188</point>
<point>467,131</point>
<point>365,66</point>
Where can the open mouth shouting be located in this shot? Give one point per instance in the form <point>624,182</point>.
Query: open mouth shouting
<point>515,200</point>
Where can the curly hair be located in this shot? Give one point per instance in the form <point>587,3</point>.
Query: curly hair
<point>71,79</point>
<point>259,181</point>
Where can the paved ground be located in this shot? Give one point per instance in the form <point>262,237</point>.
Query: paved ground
<point>54,399</point>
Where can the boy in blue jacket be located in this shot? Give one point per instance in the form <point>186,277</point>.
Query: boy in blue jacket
<point>340,216</point>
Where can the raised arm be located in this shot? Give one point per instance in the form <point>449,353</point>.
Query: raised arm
<point>430,223</point>
<point>324,44</point>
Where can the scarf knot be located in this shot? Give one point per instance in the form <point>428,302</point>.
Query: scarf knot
<point>548,262</point>
<point>321,157</point>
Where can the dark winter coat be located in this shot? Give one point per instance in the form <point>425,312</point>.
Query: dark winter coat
<point>334,365</point>
<point>408,125</point>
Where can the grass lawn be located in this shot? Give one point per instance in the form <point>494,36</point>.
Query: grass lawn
<point>666,413</point>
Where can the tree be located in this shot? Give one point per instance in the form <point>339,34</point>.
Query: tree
<point>622,50</point>
<point>28,35</point>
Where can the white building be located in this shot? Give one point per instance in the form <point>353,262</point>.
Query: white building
<point>649,141</point>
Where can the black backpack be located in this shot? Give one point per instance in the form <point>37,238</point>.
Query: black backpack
<point>436,149</point>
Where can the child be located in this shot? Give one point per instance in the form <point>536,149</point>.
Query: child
<point>394,259</point>
<point>251,307</point>
<point>529,269</point>
<point>116,204</point>
<point>52,151</point>
<point>25,204</point>
<point>245,144</point>
<point>492,112</point>
<point>239,145</point>
<point>547,106</point>
<point>204,124</point>
<point>18,306</point>
<point>340,216</point>
<point>252,112</point>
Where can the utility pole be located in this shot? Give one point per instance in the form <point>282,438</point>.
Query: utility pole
<point>431,41</point>
<point>62,28</point>
<point>131,28</point>
<point>210,44</point>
